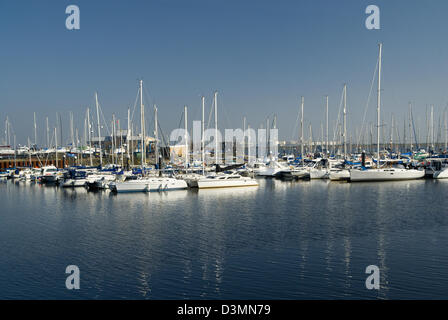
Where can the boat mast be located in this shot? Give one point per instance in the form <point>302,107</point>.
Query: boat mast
<point>432,127</point>
<point>301,129</point>
<point>410,127</point>
<point>326,133</point>
<point>121,144</point>
<point>35,130</point>
<point>99,128</point>
<point>89,136</point>
<point>142,120</point>
<point>379,107</point>
<point>56,146</point>
<point>48,134</point>
<point>186,137</point>
<point>203,136</point>
<point>156,136</point>
<point>268,127</point>
<point>128,135</point>
<point>446,130</point>
<point>15,152</point>
<point>216,126</point>
<point>345,121</point>
<point>114,142</point>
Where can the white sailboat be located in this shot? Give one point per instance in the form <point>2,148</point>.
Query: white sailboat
<point>147,184</point>
<point>383,174</point>
<point>226,181</point>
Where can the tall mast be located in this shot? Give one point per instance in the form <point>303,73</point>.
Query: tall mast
<point>35,130</point>
<point>248,145</point>
<point>392,128</point>
<point>186,136</point>
<point>326,116</point>
<point>121,144</point>
<point>89,135</point>
<point>15,152</point>
<point>432,127</point>
<point>56,146</point>
<point>114,142</point>
<point>268,127</point>
<point>216,126</point>
<point>301,129</point>
<point>99,128</point>
<point>142,120</point>
<point>72,134</point>
<point>379,107</point>
<point>345,121</point>
<point>48,134</point>
<point>128,135</point>
<point>156,136</point>
<point>410,127</point>
<point>203,135</point>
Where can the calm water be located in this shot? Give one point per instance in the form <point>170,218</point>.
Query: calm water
<point>283,240</point>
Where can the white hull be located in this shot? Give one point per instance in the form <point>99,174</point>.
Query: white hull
<point>339,175</point>
<point>391,174</point>
<point>318,174</point>
<point>441,174</point>
<point>73,183</point>
<point>300,173</point>
<point>268,172</point>
<point>226,183</point>
<point>149,185</point>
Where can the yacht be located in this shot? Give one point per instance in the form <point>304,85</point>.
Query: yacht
<point>226,181</point>
<point>272,169</point>
<point>383,174</point>
<point>49,174</point>
<point>149,185</point>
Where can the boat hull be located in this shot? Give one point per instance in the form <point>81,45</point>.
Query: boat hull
<point>441,174</point>
<point>339,175</point>
<point>226,183</point>
<point>149,185</point>
<point>385,175</point>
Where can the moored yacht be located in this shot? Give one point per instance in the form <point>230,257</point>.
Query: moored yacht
<point>226,181</point>
<point>149,185</point>
<point>385,174</point>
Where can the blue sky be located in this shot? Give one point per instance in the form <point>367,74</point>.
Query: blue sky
<point>260,55</point>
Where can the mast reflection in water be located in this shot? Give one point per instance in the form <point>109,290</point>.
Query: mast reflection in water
<point>281,240</point>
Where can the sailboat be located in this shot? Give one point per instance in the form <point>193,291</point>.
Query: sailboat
<point>147,184</point>
<point>226,181</point>
<point>383,174</point>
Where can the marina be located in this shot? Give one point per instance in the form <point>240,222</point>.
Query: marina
<point>237,151</point>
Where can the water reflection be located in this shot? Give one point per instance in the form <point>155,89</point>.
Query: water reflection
<point>283,239</point>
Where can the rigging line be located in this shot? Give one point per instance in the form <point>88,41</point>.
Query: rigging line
<point>368,102</point>
<point>296,125</point>
<point>210,114</point>
<point>336,129</point>
<point>104,119</point>
<point>135,106</point>
<point>413,129</point>
<point>182,116</point>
